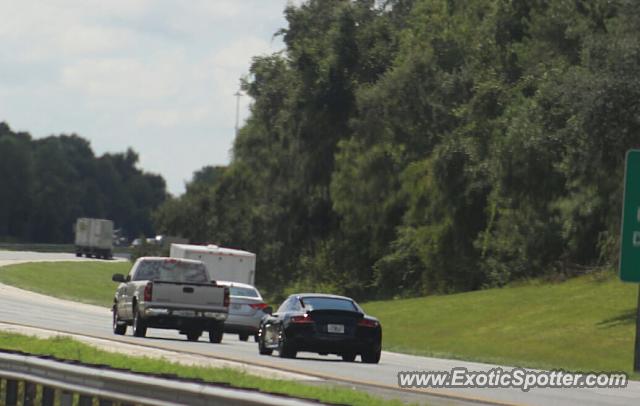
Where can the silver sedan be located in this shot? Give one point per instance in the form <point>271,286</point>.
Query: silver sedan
<point>245,310</point>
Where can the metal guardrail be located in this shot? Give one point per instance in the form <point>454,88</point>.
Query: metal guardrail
<point>41,381</point>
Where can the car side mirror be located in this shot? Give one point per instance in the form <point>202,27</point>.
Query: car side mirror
<point>118,277</point>
<point>268,310</point>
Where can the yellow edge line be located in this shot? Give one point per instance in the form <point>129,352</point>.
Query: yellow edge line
<point>442,394</point>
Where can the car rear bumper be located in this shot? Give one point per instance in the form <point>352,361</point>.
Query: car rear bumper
<point>241,324</point>
<point>333,343</point>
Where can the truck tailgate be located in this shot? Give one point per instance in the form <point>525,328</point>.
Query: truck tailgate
<point>188,294</point>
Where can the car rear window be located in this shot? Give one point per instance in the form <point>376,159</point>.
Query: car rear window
<point>246,292</point>
<point>328,303</point>
<point>171,271</point>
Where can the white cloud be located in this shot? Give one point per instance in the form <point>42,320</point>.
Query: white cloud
<point>124,72</point>
<point>173,117</point>
<point>122,78</point>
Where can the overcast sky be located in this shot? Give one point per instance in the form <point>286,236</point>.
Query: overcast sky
<point>156,75</point>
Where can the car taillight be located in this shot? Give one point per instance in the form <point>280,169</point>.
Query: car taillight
<point>148,291</point>
<point>258,306</point>
<point>305,319</point>
<point>227,299</point>
<point>367,323</point>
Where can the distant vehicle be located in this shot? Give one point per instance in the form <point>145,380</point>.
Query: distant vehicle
<point>245,310</point>
<point>222,263</point>
<point>325,324</point>
<point>170,293</point>
<point>94,238</point>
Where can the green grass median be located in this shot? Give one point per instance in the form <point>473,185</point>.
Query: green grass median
<point>82,281</point>
<point>585,323</point>
<point>67,348</point>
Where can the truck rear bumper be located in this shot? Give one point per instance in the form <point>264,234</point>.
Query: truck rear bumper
<point>150,312</point>
<point>182,323</point>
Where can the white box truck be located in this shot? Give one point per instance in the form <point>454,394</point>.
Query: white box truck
<point>224,264</point>
<point>94,238</point>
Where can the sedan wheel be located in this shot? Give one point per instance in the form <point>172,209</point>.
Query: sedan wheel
<point>349,356</point>
<point>285,348</point>
<point>371,356</point>
<point>262,349</point>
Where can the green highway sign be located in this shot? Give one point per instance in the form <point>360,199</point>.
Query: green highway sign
<point>630,234</point>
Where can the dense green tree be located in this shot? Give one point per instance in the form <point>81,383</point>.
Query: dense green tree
<point>407,147</point>
<point>46,184</point>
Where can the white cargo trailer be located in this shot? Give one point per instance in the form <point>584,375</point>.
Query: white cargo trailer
<point>94,238</point>
<point>224,264</point>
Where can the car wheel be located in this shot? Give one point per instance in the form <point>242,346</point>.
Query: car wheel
<point>216,333</point>
<point>194,335</point>
<point>139,328</point>
<point>285,348</point>
<point>119,328</point>
<point>243,337</point>
<point>371,356</point>
<point>349,356</point>
<point>262,349</point>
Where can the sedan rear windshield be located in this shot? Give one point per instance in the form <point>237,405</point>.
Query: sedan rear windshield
<point>246,292</point>
<point>328,303</point>
<point>171,271</point>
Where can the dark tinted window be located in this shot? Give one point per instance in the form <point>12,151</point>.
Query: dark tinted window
<point>328,303</point>
<point>171,271</point>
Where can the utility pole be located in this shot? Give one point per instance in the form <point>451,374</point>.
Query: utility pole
<point>238,95</point>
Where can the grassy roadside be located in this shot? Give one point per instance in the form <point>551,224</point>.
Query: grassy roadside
<point>66,348</point>
<point>585,323</point>
<point>86,281</point>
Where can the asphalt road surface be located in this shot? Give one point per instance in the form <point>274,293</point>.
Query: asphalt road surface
<point>29,309</point>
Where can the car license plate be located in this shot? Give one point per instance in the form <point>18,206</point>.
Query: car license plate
<point>335,328</point>
<point>184,313</point>
<point>236,306</point>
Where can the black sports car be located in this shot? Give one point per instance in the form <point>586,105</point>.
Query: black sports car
<point>326,324</point>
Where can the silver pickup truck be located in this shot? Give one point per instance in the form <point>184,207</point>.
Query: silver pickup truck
<point>170,293</point>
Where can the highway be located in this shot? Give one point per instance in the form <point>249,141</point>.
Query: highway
<point>28,309</point>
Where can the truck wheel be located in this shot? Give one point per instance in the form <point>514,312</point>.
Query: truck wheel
<point>216,333</point>
<point>194,335</point>
<point>243,337</point>
<point>139,329</point>
<point>119,328</point>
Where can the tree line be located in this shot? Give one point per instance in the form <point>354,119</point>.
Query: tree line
<point>46,184</point>
<point>394,148</point>
<point>409,147</point>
